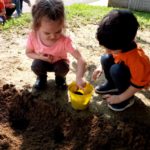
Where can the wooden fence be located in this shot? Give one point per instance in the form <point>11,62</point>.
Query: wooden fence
<point>140,5</point>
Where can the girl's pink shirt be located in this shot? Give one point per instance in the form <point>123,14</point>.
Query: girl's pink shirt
<point>58,50</point>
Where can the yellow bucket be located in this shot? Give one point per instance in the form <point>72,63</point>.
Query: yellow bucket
<point>80,98</point>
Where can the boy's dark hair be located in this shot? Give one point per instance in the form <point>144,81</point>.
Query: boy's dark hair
<point>52,9</point>
<point>117,30</point>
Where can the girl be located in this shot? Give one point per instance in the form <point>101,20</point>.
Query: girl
<point>48,46</point>
<point>125,65</point>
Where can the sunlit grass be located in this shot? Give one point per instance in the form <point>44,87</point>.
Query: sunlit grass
<point>143,18</point>
<point>78,14</point>
<point>85,14</point>
<point>22,21</point>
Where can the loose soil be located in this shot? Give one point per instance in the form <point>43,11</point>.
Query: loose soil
<point>45,120</point>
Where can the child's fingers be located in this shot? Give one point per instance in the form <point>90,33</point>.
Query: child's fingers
<point>98,75</point>
<point>76,88</point>
<point>95,75</point>
<point>82,86</point>
<point>106,96</point>
<point>50,57</point>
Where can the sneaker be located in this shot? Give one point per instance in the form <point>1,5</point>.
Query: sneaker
<point>2,20</point>
<point>61,82</point>
<point>123,105</point>
<point>40,83</point>
<point>105,88</point>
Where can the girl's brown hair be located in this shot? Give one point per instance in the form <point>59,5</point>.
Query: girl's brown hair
<point>51,9</point>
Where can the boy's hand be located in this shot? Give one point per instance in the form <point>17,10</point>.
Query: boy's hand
<point>97,73</point>
<point>112,99</point>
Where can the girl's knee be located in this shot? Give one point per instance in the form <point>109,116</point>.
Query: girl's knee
<point>62,71</point>
<point>37,66</point>
<point>61,68</point>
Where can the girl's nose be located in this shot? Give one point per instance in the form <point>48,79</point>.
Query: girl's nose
<point>52,36</point>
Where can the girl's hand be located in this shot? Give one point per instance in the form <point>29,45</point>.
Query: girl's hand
<point>46,57</point>
<point>97,73</point>
<point>81,83</point>
<point>50,58</point>
<point>112,99</point>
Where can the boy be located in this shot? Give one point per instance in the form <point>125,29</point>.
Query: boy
<point>125,65</point>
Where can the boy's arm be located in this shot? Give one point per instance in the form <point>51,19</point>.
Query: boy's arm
<point>81,68</point>
<point>97,72</point>
<point>114,99</point>
<point>128,93</point>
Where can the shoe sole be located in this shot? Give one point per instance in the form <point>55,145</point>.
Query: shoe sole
<point>106,92</point>
<point>122,109</point>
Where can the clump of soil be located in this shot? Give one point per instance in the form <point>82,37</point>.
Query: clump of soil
<point>36,122</point>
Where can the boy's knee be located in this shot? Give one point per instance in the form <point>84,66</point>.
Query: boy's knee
<point>107,58</point>
<point>119,70</point>
<point>115,69</point>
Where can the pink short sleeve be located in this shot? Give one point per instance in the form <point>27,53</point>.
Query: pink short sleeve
<point>69,45</point>
<point>30,41</point>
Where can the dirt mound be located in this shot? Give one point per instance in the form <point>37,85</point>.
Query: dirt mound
<point>34,122</point>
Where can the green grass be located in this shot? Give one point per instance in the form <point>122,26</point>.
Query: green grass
<point>143,18</point>
<point>78,14</point>
<point>22,21</point>
<point>84,14</point>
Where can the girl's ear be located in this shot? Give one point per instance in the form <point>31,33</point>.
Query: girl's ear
<point>64,25</point>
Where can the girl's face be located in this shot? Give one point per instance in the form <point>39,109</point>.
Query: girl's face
<point>50,31</point>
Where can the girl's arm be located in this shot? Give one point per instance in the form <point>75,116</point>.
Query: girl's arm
<point>31,54</point>
<point>81,68</point>
<point>114,99</point>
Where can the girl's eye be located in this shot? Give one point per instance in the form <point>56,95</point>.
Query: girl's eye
<point>58,32</point>
<point>47,33</point>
